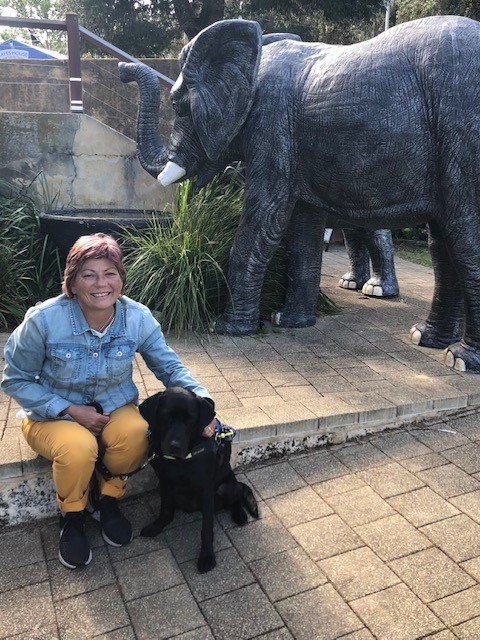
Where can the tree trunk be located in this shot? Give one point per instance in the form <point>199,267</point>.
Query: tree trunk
<point>195,16</point>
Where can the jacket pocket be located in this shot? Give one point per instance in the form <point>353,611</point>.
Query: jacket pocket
<point>119,357</point>
<point>66,361</point>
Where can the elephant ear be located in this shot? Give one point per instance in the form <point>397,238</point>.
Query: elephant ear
<point>220,72</point>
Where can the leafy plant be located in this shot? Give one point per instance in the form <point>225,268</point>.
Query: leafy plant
<point>178,269</point>
<point>29,264</point>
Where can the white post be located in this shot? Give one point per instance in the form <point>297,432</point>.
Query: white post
<point>388,5</point>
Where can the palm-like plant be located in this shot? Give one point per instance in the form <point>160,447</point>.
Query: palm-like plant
<point>177,268</point>
<point>29,264</point>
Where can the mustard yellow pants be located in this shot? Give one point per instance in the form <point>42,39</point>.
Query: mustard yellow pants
<point>74,451</point>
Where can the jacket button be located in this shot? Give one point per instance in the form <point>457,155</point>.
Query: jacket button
<point>95,355</point>
<point>119,353</point>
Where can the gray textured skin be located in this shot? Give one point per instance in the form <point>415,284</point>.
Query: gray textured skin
<point>363,246</point>
<point>381,134</point>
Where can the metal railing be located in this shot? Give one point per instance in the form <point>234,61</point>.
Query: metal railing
<point>74,32</point>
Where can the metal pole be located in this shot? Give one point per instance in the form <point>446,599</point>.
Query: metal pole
<point>74,66</point>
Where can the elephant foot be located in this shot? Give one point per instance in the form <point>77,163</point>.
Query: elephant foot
<point>282,318</point>
<point>378,288</point>
<point>222,326</point>
<point>462,357</point>
<point>426,335</point>
<point>351,281</point>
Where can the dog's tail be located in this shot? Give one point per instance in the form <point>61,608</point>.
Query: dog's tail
<point>248,500</point>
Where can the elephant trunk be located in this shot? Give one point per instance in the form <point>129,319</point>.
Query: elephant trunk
<point>151,151</point>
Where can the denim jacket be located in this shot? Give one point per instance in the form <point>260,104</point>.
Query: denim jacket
<point>53,359</point>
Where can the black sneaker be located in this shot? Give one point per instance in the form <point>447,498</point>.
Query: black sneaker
<point>116,529</point>
<point>74,548</point>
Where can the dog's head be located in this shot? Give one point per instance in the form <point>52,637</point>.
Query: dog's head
<point>176,418</point>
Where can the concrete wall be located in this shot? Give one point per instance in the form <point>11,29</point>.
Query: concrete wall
<point>82,163</point>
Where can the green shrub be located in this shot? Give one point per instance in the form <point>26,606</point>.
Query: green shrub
<point>29,263</point>
<point>178,269</point>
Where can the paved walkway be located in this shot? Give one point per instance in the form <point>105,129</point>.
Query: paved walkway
<point>378,537</point>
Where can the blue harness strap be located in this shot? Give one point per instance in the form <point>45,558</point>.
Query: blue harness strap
<point>224,432</point>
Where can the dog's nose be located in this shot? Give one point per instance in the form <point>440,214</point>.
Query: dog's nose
<point>175,447</point>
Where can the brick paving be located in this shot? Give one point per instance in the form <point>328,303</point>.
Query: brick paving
<point>377,537</point>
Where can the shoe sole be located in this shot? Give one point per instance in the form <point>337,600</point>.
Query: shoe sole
<point>74,566</point>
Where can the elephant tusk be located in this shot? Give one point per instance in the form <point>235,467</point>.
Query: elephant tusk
<point>171,173</point>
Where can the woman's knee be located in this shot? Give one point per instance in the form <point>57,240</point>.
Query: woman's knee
<point>78,451</point>
<point>125,430</point>
<point>124,436</point>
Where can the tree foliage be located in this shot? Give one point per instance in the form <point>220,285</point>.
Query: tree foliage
<point>412,9</point>
<point>143,29</point>
<point>40,9</point>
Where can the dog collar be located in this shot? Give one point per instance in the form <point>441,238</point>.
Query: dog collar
<point>200,449</point>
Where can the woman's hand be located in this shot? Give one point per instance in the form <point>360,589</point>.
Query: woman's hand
<point>210,429</point>
<point>88,417</point>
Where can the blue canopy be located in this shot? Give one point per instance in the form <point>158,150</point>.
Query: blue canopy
<point>14,49</point>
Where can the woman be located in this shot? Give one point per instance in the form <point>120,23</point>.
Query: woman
<point>77,349</point>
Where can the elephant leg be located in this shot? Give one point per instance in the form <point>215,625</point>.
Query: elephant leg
<point>259,233</point>
<point>304,264</point>
<point>445,321</point>
<point>359,259</point>
<point>463,241</point>
<point>384,282</point>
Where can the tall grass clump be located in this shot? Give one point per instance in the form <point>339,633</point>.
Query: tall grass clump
<point>30,269</point>
<point>179,270</point>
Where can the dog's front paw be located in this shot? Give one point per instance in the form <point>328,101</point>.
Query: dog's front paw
<point>206,562</point>
<point>239,515</point>
<point>153,529</point>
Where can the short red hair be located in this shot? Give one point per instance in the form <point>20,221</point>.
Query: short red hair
<point>95,246</point>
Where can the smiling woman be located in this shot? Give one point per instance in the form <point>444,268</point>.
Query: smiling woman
<point>69,365</point>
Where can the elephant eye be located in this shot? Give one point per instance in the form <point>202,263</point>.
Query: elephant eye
<point>180,105</point>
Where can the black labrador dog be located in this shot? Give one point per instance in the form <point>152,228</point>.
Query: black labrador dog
<point>194,471</point>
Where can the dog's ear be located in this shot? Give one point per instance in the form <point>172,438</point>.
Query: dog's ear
<point>149,407</point>
<point>206,412</point>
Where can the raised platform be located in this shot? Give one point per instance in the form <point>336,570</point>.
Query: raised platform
<point>286,390</point>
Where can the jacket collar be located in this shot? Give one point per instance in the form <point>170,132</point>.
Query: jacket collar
<point>80,325</point>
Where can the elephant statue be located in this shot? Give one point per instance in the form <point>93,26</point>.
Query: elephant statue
<point>382,134</point>
<point>363,246</point>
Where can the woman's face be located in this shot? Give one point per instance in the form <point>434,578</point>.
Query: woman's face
<point>97,285</point>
